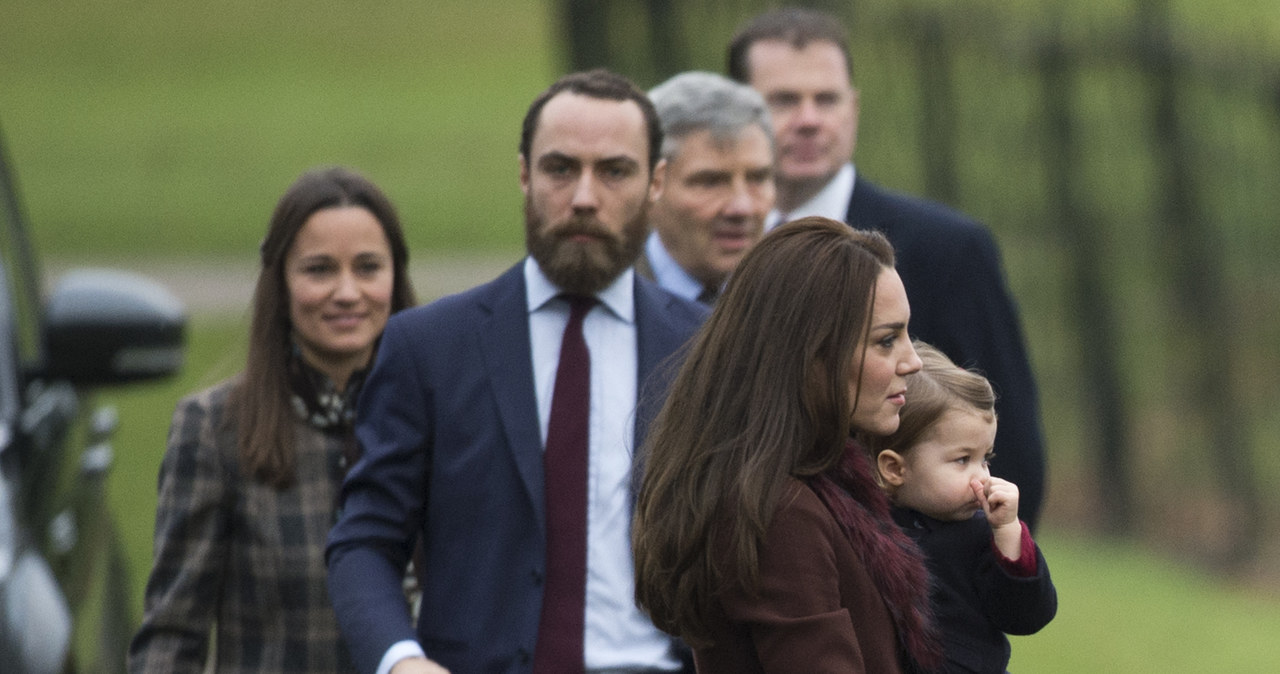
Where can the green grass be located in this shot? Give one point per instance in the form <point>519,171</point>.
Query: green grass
<point>1122,609</point>
<point>180,125</point>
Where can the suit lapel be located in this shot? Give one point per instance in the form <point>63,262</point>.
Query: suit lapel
<point>503,336</point>
<point>656,339</point>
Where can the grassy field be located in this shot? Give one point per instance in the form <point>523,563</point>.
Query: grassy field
<point>1121,609</point>
<point>180,125</point>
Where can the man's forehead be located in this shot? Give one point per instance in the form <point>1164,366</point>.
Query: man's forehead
<point>763,57</point>
<point>705,148</point>
<point>573,123</point>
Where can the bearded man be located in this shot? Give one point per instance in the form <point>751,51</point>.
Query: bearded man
<point>498,425</point>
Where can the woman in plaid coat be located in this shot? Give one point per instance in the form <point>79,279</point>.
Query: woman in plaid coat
<point>249,482</point>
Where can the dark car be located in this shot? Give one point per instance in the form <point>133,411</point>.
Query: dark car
<point>64,592</point>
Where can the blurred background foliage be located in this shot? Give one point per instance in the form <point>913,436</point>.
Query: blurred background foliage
<point>1126,154</point>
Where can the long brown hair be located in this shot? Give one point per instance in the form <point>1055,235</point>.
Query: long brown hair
<point>259,407</point>
<point>762,396</point>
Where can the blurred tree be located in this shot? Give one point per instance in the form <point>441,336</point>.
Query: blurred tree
<point>1099,359</point>
<point>1196,267</point>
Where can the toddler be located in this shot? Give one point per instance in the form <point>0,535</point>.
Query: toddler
<point>989,578</point>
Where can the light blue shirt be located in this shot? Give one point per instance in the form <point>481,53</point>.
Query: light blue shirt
<point>617,635</point>
<point>667,272</point>
<point>832,201</point>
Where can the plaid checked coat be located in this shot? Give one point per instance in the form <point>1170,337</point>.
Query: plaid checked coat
<point>237,557</point>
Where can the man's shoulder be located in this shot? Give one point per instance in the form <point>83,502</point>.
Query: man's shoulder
<point>669,307</point>
<point>900,214</point>
<point>464,305</point>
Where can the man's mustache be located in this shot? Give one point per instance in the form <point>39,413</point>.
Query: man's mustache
<point>581,227</point>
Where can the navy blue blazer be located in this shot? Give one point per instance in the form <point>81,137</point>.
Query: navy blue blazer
<point>960,303</point>
<point>452,446</point>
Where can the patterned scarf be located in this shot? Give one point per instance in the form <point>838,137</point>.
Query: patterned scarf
<point>318,402</point>
<point>893,560</point>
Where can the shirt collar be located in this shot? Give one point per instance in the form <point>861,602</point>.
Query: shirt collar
<point>617,296</point>
<point>668,273</point>
<point>832,201</point>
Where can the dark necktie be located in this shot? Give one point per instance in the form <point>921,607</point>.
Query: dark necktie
<point>709,293</point>
<point>559,647</point>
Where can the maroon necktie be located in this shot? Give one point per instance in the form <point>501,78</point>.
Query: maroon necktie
<point>559,646</point>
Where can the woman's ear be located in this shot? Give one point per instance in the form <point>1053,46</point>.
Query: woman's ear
<point>892,467</point>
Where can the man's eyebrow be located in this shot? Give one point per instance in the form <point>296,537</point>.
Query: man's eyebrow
<point>711,173</point>
<point>621,158</point>
<point>555,155</point>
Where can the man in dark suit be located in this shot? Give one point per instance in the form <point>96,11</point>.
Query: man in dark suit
<point>499,425</point>
<point>718,146</point>
<point>799,61</point>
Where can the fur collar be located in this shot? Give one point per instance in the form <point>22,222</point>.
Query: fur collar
<point>893,560</point>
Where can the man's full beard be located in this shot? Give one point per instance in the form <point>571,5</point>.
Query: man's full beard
<point>583,267</point>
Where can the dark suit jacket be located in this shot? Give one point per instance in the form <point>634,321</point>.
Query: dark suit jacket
<point>975,601</point>
<point>453,452</point>
<point>817,611</point>
<point>952,272</point>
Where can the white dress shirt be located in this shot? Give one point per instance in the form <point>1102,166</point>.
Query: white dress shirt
<point>832,201</point>
<point>667,272</point>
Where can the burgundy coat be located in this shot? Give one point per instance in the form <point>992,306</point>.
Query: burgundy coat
<point>817,611</point>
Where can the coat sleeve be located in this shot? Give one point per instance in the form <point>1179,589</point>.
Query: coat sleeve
<point>382,501</point>
<point>191,533</point>
<point>1018,605</point>
<point>796,620</point>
